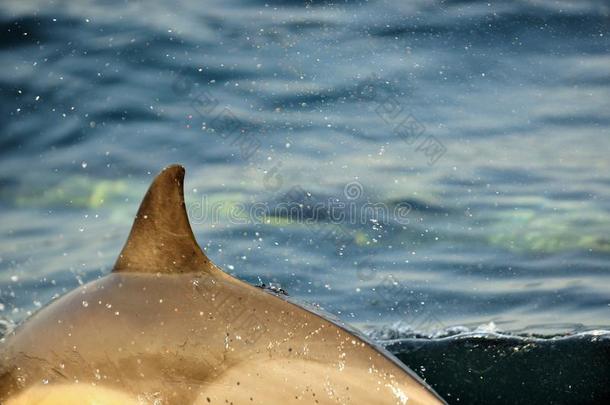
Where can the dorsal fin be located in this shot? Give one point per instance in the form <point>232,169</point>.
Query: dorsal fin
<point>161,239</point>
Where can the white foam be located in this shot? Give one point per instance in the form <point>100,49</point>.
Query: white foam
<point>402,331</point>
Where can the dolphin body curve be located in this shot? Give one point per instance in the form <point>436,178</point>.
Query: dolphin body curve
<point>169,327</point>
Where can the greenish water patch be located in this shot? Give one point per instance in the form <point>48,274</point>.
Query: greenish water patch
<point>530,231</point>
<point>81,192</point>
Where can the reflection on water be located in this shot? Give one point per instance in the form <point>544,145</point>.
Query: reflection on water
<point>487,123</point>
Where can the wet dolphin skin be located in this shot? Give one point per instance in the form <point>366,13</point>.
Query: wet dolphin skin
<point>169,327</point>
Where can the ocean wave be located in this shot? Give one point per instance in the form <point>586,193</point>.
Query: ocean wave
<point>400,331</point>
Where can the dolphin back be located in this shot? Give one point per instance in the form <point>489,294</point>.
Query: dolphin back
<point>169,327</point>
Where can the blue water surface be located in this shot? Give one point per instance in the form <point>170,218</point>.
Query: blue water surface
<point>448,160</point>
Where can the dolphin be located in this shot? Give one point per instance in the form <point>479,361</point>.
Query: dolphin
<point>167,326</point>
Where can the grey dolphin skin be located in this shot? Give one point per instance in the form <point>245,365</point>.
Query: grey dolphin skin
<point>169,327</point>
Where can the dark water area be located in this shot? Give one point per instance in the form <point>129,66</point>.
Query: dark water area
<point>513,370</point>
<point>423,170</point>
